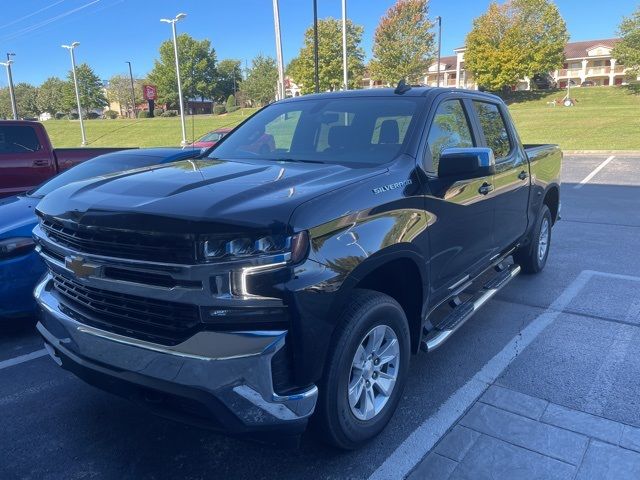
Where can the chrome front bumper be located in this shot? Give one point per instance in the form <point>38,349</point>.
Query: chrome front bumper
<point>227,373</point>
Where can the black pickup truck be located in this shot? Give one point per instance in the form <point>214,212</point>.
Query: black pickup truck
<point>254,291</point>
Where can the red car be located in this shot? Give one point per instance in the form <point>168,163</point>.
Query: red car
<point>211,138</point>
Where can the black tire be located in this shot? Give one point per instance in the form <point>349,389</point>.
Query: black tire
<point>334,417</point>
<point>528,257</point>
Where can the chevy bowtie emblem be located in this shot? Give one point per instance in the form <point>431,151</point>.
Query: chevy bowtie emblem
<point>79,266</point>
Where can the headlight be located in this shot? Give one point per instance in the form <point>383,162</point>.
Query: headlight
<point>216,249</point>
<point>13,247</point>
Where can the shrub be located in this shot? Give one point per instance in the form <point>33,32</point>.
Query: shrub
<point>232,109</point>
<point>143,114</point>
<point>92,115</point>
<point>110,114</point>
<point>170,113</point>
<point>157,112</point>
<point>231,103</point>
<point>73,116</point>
<point>219,109</point>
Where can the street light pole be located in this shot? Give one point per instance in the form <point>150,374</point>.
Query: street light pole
<point>439,18</point>
<point>75,84</point>
<point>279,59</point>
<point>173,22</point>
<point>133,92</point>
<point>344,45</point>
<point>315,46</point>
<point>12,92</point>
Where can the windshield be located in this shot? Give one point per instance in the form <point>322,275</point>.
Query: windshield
<point>363,130</point>
<point>212,137</point>
<point>101,165</point>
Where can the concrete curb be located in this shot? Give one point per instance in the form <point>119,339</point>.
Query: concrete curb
<point>629,153</point>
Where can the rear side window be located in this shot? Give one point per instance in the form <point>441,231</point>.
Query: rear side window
<point>18,139</point>
<point>449,129</point>
<point>494,128</point>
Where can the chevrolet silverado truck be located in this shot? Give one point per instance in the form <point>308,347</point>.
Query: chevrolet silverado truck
<point>257,292</point>
<point>27,158</point>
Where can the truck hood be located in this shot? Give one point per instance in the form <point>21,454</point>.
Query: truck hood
<point>200,196</point>
<point>17,216</point>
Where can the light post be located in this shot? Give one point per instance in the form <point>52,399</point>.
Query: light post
<point>12,93</point>
<point>279,59</point>
<point>439,19</point>
<point>173,22</point>
<point>75,84</point>
<point>344,45</point>
<point>133,92</point>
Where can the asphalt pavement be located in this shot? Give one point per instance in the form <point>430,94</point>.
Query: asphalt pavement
<point>567,337</point>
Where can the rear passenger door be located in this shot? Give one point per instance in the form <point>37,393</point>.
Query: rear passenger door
<point>511,180</point>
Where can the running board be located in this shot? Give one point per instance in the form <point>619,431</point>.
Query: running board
<point>465,310</point>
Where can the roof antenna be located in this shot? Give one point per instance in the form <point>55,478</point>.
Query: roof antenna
<point>402,87</point>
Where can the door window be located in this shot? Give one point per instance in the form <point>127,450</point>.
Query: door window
<point>494,128</point>
<point>18,139</point>
<point>449,129</point>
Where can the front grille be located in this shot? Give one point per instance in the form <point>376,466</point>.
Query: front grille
<point>159,321</point>
<point>113,243</point>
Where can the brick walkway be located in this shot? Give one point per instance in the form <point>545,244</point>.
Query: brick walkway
<point>510,435</point>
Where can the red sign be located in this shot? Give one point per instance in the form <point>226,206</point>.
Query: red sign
<point>149,92</point>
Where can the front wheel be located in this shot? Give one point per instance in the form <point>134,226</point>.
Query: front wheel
<point>533,257</point>
<point>366,370</point>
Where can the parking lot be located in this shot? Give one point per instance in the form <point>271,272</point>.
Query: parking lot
<point>568,337</point>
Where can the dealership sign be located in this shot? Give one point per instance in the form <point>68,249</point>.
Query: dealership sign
<point>150,92</point>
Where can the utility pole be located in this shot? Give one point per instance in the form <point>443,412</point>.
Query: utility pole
<point>315,46</point>
<point>12,92</point>
<point>133,92</point>
<point>173,22</point>
<point>75,84</point>
<point>439,18</point>
<point>276,24</point>
<point>344,45</point>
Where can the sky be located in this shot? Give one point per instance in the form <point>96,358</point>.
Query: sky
<point>111,32</point>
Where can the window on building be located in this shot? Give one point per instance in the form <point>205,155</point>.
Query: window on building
<point>494,128</point>
<point>449,129</point>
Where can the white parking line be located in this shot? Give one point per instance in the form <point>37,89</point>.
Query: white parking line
<point>422,440</point>
<point>595,172</point>
<point>22,358</point>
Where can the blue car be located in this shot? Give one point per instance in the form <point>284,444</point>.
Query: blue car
<point>20,265</point>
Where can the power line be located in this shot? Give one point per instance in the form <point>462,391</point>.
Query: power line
<point>17,20</point>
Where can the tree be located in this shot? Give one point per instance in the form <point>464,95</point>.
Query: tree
<point>198,73</point>
<point>26,100</point>
<point>262,77</point>
<point>229,77</point>
<point>52,94</point>
<point>89,87</point>
<point>119,90</point>
<point>231,103</point>
<point>403,45</point>
<point>627,51</point>
<point>517,39</point>
<point>330,74</point>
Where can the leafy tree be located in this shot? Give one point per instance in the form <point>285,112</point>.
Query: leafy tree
<point>516,39</point>
<point>403,46</point>
<point>627,51</point>
<point>231,103</point>
<point>90,89</point>
<point>26,100</point>
<point>198,73</point>
<point>229,77</point>
<point>52,94</point>
<point>119,90</point>
<point>260,85</point>
<point>330,74</point>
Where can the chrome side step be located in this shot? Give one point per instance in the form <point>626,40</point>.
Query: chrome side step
<point>465,310</point>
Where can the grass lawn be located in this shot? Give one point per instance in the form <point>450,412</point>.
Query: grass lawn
<point>604,118</point>
<point>143,132</point>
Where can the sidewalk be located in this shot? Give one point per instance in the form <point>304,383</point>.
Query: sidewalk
<point>510,435</point>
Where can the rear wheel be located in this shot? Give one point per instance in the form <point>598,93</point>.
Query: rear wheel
<point>366,370</point>
<point>533,257</point>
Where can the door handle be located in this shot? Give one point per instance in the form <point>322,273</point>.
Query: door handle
<point>41,163</point>
<point>485,188</point>
<point>523,175</point>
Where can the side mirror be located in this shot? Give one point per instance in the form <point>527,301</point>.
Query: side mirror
<point>464,163</point>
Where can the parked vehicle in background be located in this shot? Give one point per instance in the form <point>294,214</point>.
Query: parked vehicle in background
<point>27,158</point>
<point>211,138</point>
<point>544,81</point>
<point>258,286</point>
<point>20,265</point>
<point>588,83</point>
